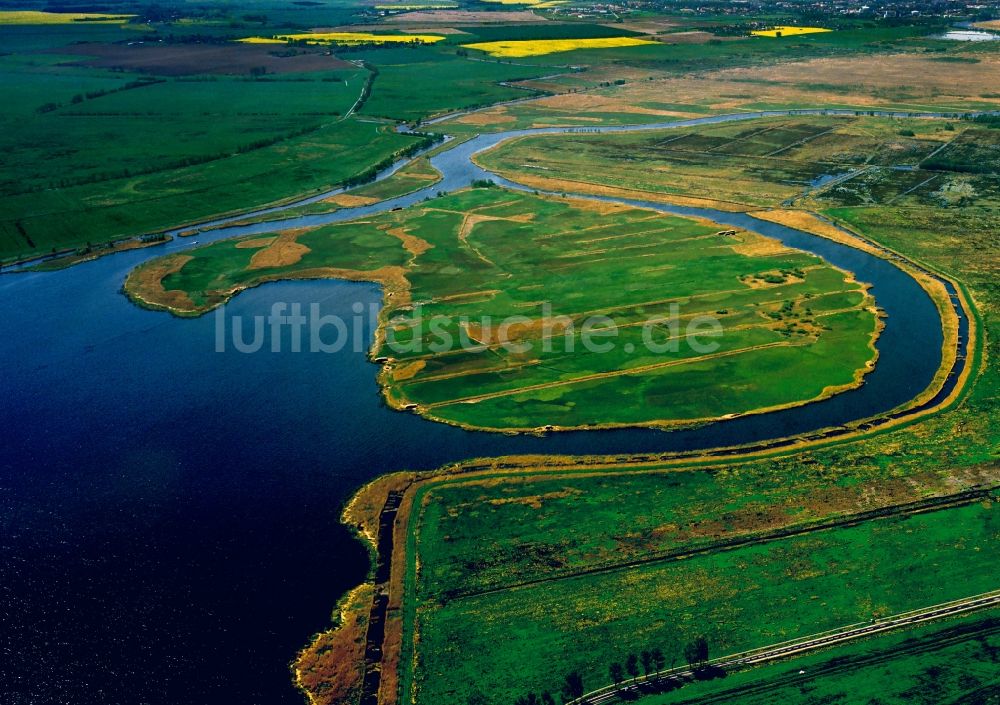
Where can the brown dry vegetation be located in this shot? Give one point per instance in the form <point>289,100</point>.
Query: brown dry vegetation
<point>330,669</point>
<point>284,251</point>
<point>583,187</point>
<point>145,283</point>
<point>912,81</point>
<point>255,244</point>
<point>347,200</point>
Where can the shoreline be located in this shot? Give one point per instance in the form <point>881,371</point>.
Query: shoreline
<point>358,515</point>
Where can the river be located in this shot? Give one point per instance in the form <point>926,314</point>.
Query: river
<point>170,514</point>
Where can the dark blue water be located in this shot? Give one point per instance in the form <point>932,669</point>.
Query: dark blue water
<point>169,514</point>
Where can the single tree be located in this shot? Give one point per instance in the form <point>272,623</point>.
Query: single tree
<point>659,660</point>
<point>573,687</point>
<point>696,652</point>
<point>617,673</point>
<point>647,661</point>
<point>632,666</point>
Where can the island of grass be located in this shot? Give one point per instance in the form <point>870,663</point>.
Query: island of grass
<point>511,311</point>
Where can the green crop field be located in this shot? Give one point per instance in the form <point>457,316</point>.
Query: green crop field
<point>503,643</point>
<point>486,255</point>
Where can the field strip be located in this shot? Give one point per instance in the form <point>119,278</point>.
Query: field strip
<point>602,226</point>
<point>744,138</point>
<point>920,506</point>
<point>787,649</point>
<point>911,190</point>
<point>646,232</point>
<point>608,375</point>
<point>801,142</point>
<point>736,310</point>
<point>544,363</point>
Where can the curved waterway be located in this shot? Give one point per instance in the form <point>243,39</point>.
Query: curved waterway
<point>169,514</point>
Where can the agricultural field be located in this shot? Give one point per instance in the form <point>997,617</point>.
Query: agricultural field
<point>483,256</point>
<point>541,47</point>
<point>34,17</point>
<point>499,642</point>
<point>786,31</point>
<point>345,38</point>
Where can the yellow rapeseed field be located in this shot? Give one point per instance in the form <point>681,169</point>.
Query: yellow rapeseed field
<point>537,47</point>
<point>38,17</point>
<point>788,31</point>
<point>345,38</point>
<point>541,4</point>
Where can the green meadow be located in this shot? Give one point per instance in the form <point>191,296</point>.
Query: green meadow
<point>707,322</point>
<point>500,644</point>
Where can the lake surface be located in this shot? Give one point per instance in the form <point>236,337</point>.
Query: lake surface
<point>968,35</point>
<point>170,514</point>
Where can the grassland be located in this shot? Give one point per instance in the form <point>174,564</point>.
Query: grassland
<point>416,83</point>
<point>479,258</point>
<point>512,526</point>
<point>753,79</point>
<point>108,139</point>
<point>477,539</point>
<point>765,163</point>
<point>417,174</point>
<point>738,599</point>
<point>39,221</point>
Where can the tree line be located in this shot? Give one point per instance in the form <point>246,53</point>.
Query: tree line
<point>647,662</point>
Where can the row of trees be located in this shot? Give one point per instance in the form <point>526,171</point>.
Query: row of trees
<point>650,661</point>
